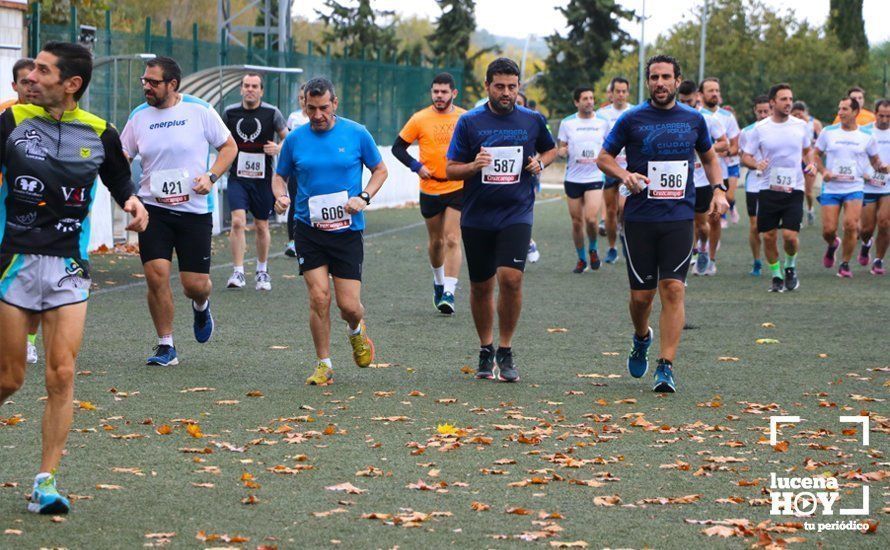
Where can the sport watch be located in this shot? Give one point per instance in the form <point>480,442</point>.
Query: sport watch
<point>722,187</point>
<point>365,197</point>
<point>213,177</point>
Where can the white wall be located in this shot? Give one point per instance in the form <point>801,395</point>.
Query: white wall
<point>11,34</point>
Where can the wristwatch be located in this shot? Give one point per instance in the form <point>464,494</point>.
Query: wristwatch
<point>721,186</point>
<point>213,177</point>
<point>365,197</point>
<point>541,164</point>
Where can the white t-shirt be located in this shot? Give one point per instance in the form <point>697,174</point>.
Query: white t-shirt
<point>782,145</point>
<point>846,157</point>
<point>727,119</point>
<point>295,120</point>
<point>879,183</point>
<point>174,144</point>
<point>715,127</point>
<point>753,182</point>
<point>611,115</point>
<point>585,137</point>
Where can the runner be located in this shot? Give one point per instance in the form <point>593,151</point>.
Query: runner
<point>254,125</point>
<point>775,149</point>
<point>701,264</point>
<point>51,153</point>
<point>865,117</point>
<point>876,208</point>
<point>298,117</point>
<point>618,90</point>
<point>534,255</point>
<point>172,133</point>
<point>497,149</point>
<point>326,157</point>
<point>752,186</point>
<point>294,121</point>
<point>661,138</point>
<point>800,110</point>
<point>440,200</point>
<point>848,149</point>
<point>581,137</point>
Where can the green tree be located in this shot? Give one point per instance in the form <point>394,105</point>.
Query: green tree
<point>359,27</point>
<point>578,58</point>
<point>846,23</point>
<point>450,43</point>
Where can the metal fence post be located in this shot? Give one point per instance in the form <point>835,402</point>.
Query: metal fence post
<point>148,34</point>
<point>73,25</point>
<point>169,38</point>
<point>195,47</point>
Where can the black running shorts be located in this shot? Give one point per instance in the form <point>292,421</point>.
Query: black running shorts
<point>186,233</point>
<point>342,252</point>
<point>488,250</point>
<point>656,251</point>
<point>776,209</point>
<point>433,205</point>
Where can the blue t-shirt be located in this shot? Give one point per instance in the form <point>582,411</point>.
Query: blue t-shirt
<point>493,206</point>
<point>326,164</point>
<point>651,134</point>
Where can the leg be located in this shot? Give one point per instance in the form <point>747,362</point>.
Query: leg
<point>435,228</point>
<point>576,214</point>
<point>160,296</point>
<point>702,228</point>
<point>790,242</point>
<point>236,236</point>
<point>868,221</point>
<point>852,213</point>
<point>482,308</point>
<point>808,181</point>
<point>716,230</point>
<point>319,288</point>
<point>292,192</point>
<point>196,286</point>
<point>753,237</point>
<point>349,301</point>
<point>829,223</point>
<point>453,252</point>
<point>593,202</point>
<point>673,316</point>
<point>611,198</point>
<point>263,240</point>
<point>13,335</point>
<point>640,309</point>
<point>771,245</point>
<point>509,304</point>
<point>883,223</point>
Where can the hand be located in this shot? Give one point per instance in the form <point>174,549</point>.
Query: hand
<point>355,205</point>
<point>809,168</point>
<point>635,182</point>
<point>762,165</point>
<point>563,151</point>
<point>483,159</point>
<point>135,208</point>
<point>885,168</point>
<point>271,148</point>
<point>203,185</point>
<point>424,173</point>
<point>719,205</point>
<point>534,166</point>
<point>827,176</point>
<point>282,203</point>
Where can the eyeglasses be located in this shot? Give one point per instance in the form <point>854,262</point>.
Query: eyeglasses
<point>153,82</point>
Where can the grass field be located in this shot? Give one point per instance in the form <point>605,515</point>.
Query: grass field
<point>576,428</point>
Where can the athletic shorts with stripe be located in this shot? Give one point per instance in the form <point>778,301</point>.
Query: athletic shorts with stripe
<point>656,251</point>
<point>39,283</point>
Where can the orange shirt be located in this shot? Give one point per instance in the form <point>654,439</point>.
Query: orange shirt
<point>8,103</point>
<point>864,117</point>
<point>432,130</point>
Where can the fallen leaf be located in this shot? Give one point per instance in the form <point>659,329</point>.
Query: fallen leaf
<point>347,488</point>
<point>255,393</point>
<point>768,325</point>
<point>250,500</point>
<point>105,487</point>
<point>164,429</point>
<point>563,544</point>
<point>194,430</point>
<point>160,535</point>
<point>445,429</point>
<point>611,500</point>
<point>721,531</point>
<point>479,506</point>
<point>556,330</point>
<point>519,511</point>
<point>86,406</point>
<point>727,359</point>
<point>195,390</point>
<point>781,446</point>
<point>767,341</point>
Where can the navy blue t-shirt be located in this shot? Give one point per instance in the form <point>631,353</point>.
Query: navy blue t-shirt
<point>503,194</point>
<point>651,134</point>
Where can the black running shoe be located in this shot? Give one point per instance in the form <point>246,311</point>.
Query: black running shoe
<point>507,371</point>
<point>485,371</point>
<point>791,282</point>
<point>778,285</point>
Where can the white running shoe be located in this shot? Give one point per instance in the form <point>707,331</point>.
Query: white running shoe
<point>263,281</point>
<point>533,254</point>
<point>711,270</point>
<point>236,280</point>
<point>32,354</point>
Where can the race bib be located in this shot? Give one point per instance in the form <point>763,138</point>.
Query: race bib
<point>844,173</point>
<point>878,179</point>
<point>170,186</point>
<point>505,167</point>
<point>251,165</point>
<point>667,179</point>
<point>782,179</point>
<point>584,152</point>
<point>328,212</point>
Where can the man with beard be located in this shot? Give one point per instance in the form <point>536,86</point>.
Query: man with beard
<point>876,204</point>
<point>173,132</point>
<point>254,125</point>
<point>661,138</point>
<point>441,200</point>
<point>752,186</point>
<point>497,149</point>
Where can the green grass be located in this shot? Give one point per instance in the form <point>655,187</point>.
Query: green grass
<point>845,319</point>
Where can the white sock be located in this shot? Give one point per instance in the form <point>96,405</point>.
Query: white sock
<point>262,266</point>
<point>868,244</point>
<point>165,340</point>
<point>40,477</point>
<point>356,330</point>
<point>200,307</point>
<point>327,362</point>
<point>439,274</point>
<point>239,269</point>
<point>450,284</point>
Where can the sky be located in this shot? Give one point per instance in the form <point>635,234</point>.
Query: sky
<point>492,16</point>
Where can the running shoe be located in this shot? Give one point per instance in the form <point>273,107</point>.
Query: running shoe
<point>701,263</point>
<point>446,303</point>
<point>756,268</point>
<point>263,280</point>
<point>362,347</point>
<point>664,378</point>
<point>828,259</point>
<point>533,254</point>
<point>843,271</point>
<point>863,253</point>
<point>711,270</point>
<point>203,323</point>
<point>611,256</point>
<point>638,360</point>
<point>322,376</point>
<point>485,370</point>
<point>778,285</point>
<point>580,267</point>
<point>601,229</point>
<point>438,290</point>
<point>236,280</point>
<point>733,215</point>
<point>877,267</point>
<point>507,370</point>
<point>45,498</point>
<point>595,262</point>
<point>31,354</point>
<point>290,250</point>
<point>791,282</point>
<point>724,223</point>
<point>164,356</point>
<point>811,217</point>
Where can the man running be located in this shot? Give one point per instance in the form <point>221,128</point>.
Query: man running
<point>326,157</point>
<point>440,199</point>
<point>618,90</point>
<point>848,150</point>
<point>51,153</point>
<point>752,186</point>
<point>775,149</point>
<point>172,133</point>
<point>581,137</point>
<point>254,125</point>
<point>876,207</point>
<point>497,149</point>
<point>294,121</point>
<point>800,110</point>
<point>702,265</point>
<point>661,138</point>
<point>865,117</point>
<point>534,254</point>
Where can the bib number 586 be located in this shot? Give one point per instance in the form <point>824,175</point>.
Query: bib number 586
<point>672,181</point>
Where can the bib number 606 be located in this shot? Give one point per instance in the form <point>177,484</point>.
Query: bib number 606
<point>332,213</point>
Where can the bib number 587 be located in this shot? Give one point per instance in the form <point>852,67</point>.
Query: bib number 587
<point>503,165</point>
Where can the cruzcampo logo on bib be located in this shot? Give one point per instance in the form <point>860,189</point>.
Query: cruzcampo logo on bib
<point>85,152</point>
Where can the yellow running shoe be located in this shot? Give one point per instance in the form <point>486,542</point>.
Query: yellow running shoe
<point>362,347</point>
<point>322,376</point>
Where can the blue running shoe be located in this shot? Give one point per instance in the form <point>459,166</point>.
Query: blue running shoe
<point>45,499</point>
<point>664,378</point>
<point>438,290</point>
<point>701,263</point>
<point>446,303</point>
<point>164,356</point>
<point>611,256</point>
<point>756,268</point>
<point>638,360</point>
<point>203,324</point>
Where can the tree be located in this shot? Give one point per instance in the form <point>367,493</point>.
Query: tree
<point>360,27</point>
<point>58,12</point>
<point>845,22</point>
<point>578,58</point>
<point>450,43</point>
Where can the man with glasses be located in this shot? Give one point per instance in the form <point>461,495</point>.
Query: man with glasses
<point>172,132</point>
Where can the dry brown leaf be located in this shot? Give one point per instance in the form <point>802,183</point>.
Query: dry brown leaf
<point>517,511</point>
<point>255,393</point>
<point>479,506</point>
<point>347,488</point>
<point>608,500</point>
<point>164,429</point>
<point>196,390</point>
<point>556,330</point>
<point>781,446</point>
<point>563,544</point>
<point>105,487</point>
<point>721,531</point>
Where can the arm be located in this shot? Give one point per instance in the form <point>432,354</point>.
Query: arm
<point>400,151</point>
<point>711,163</point>
<point>537,164</point>
<point>466,170</point>
<point>606,162</point>
<point>563,150</point>
<point>115,174</point>
<point>722,146</point>
<point>819,165</point>
<point>227,153</point>
<point>279,190</point>
<point>733,147</point>
<point>877,164</point>
<point>379,174</point>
